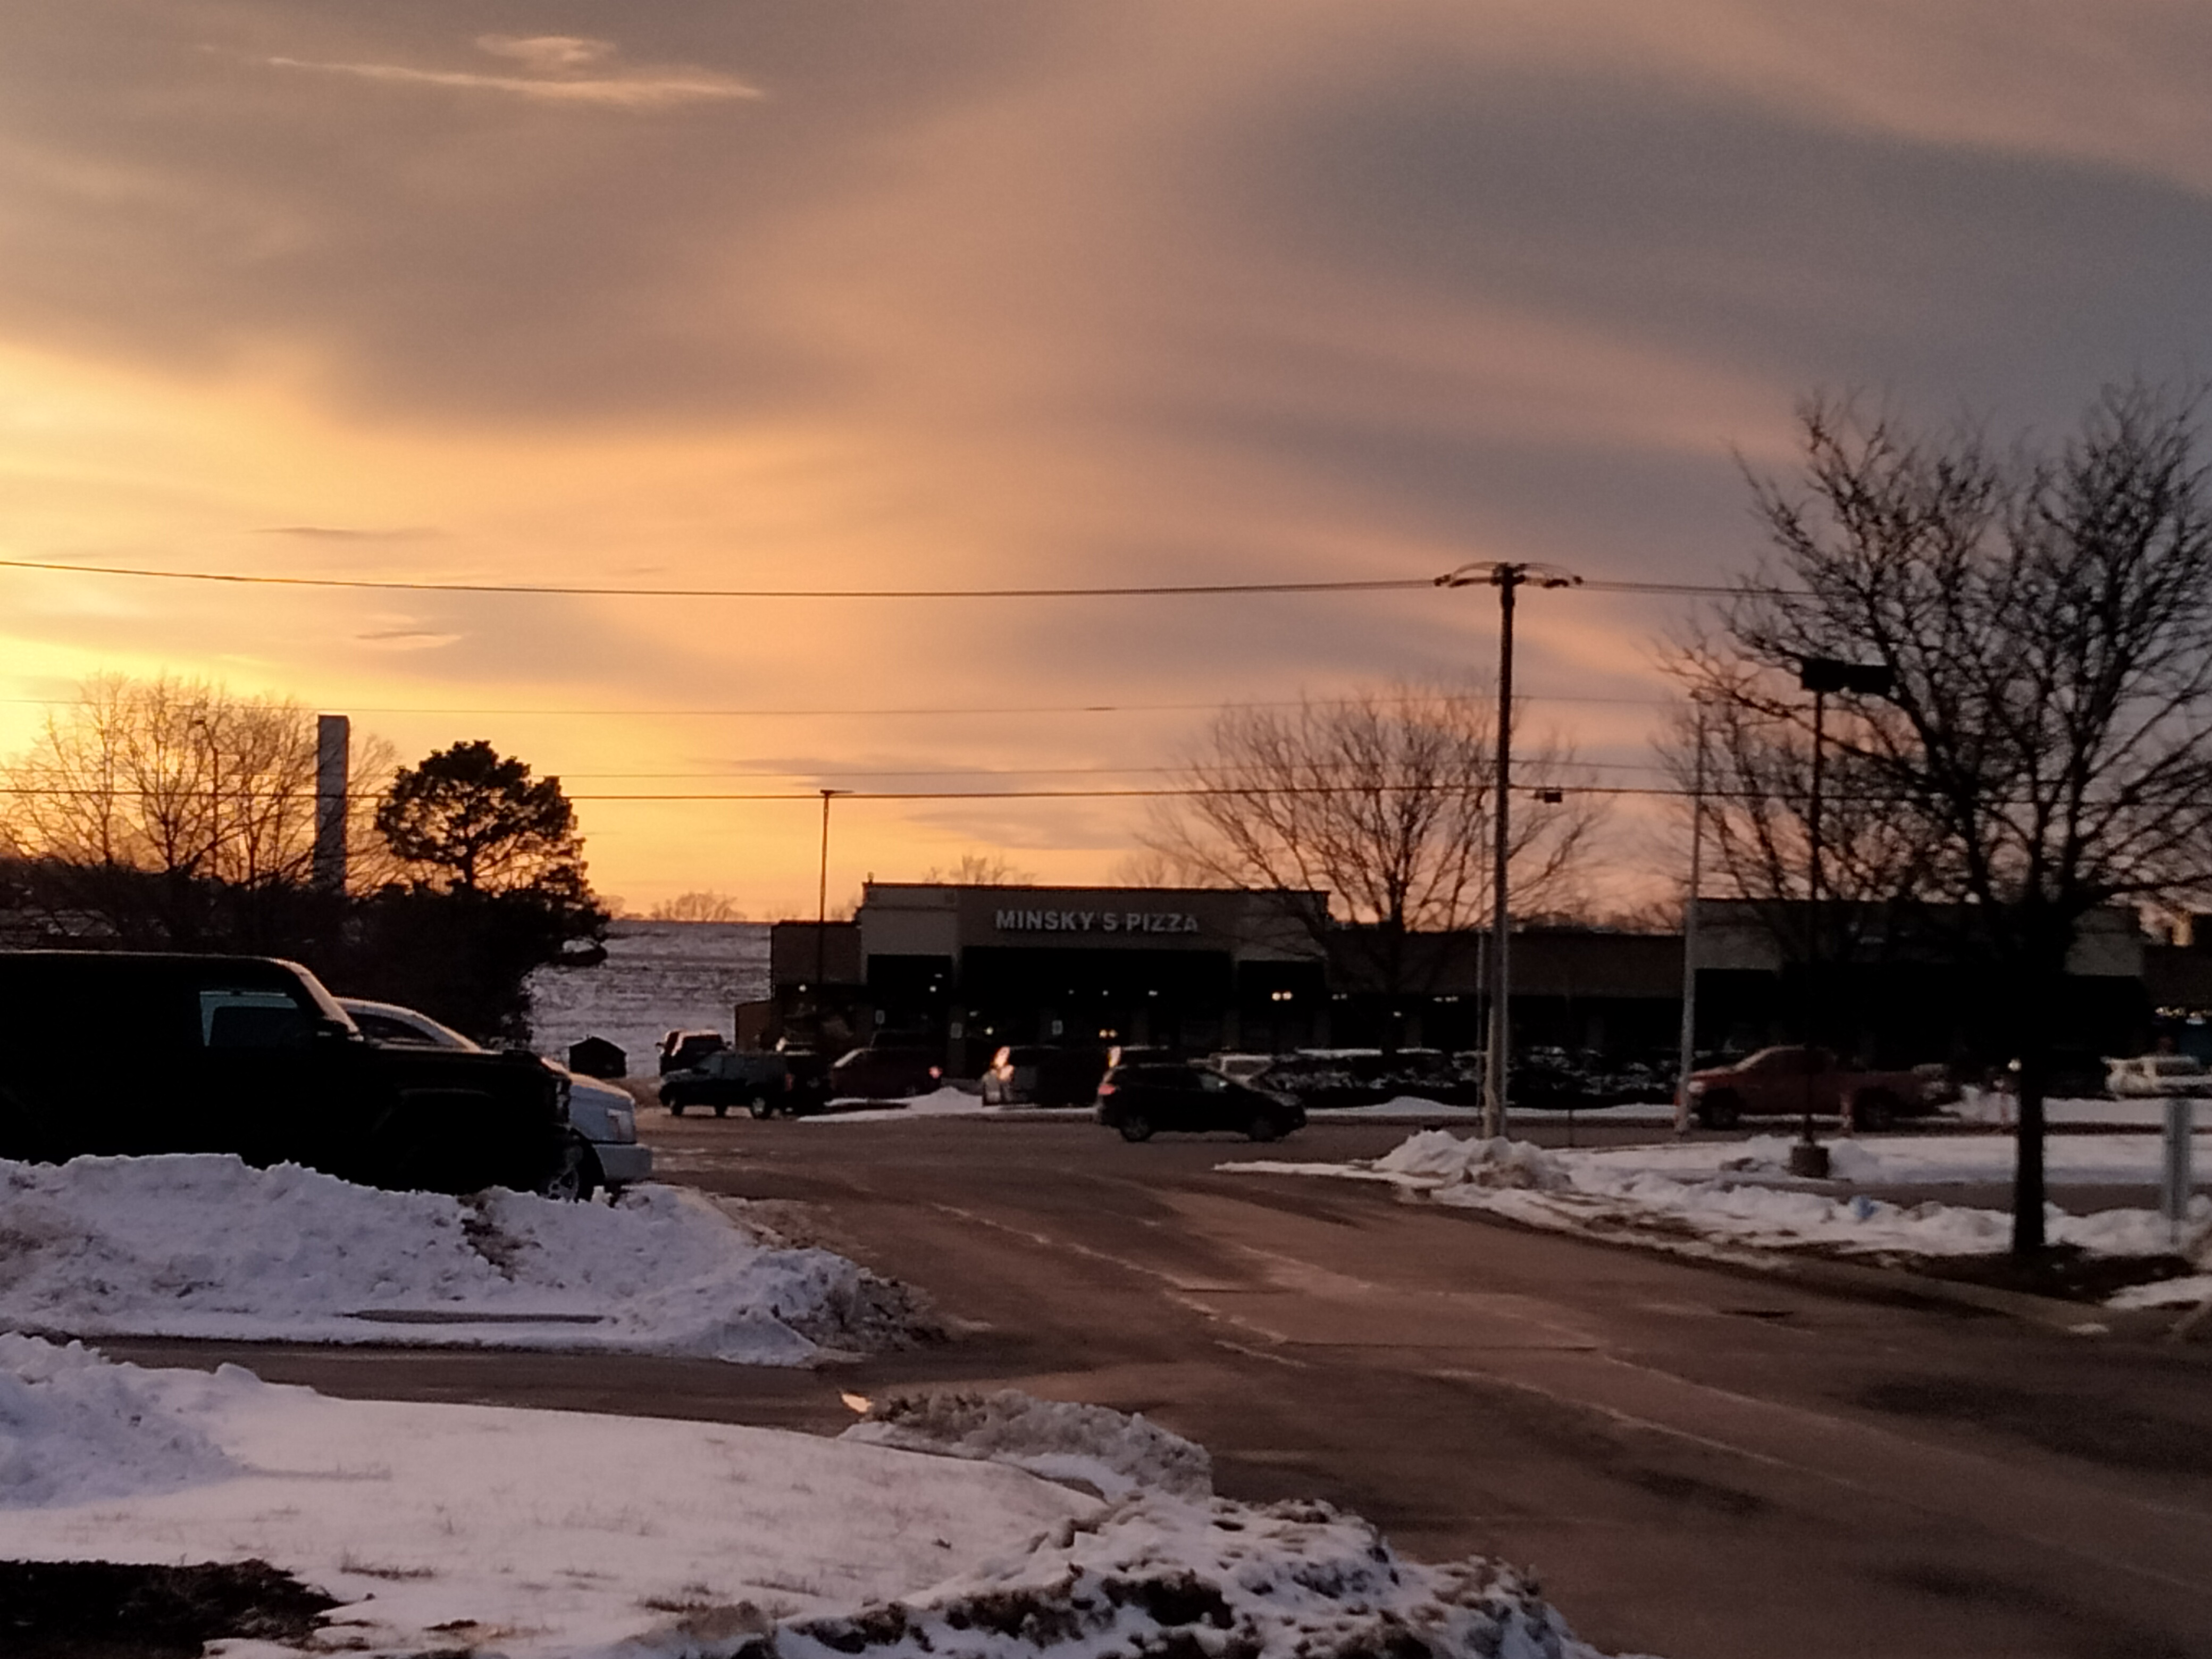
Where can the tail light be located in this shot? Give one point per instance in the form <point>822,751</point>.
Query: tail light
<point>935,1072</point>
<point>1106,1089</point>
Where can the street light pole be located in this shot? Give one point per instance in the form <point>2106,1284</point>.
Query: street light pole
<point>1820,676</point>
<point>1501,818</point>
<point>1688,1059</point>
<point>1507,576</point>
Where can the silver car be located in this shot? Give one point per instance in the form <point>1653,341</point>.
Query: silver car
<point>603,1118</point>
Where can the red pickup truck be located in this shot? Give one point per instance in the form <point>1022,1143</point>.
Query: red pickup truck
<point>1788,1081</point>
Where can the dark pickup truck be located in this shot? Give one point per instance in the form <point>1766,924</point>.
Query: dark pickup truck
<point>124,1052</point>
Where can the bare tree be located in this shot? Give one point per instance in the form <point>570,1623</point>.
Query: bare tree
<point>2047,617</point>
<point>1148,866</point>
<point>1382,801</point>
<point>1757,791</point>
<point>702,906</point>
<point>980,870</point>
<point>178,781</point>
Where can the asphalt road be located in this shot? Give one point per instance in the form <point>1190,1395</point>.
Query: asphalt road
<point>1699,1464</point>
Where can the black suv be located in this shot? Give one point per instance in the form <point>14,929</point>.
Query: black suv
<point>106,1053</point>
<point>1141,1100</point>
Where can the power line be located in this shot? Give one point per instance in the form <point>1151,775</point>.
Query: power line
<point>1024,771</point>
<point>892,712</point>
<point>1169,590</point>
<point>1158,590</point>
<point>183,793</point>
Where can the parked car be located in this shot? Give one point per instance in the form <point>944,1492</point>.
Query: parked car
<point>1787,1081</point>
<point>887,1072</point>
<point>682,1050</point>
<point>1038,1074</point>
<point>603,1150</point>
<point>2156,1076</point>
<point>121,1052</point>
<point>1140,1101</point>
<point>780,1084</point>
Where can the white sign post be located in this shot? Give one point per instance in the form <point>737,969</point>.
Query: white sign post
<point>2173,1200</point>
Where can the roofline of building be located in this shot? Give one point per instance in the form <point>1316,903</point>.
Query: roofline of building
<point>1078,887</point>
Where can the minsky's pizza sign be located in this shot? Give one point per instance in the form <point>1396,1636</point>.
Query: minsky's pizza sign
<point>1095,921</point>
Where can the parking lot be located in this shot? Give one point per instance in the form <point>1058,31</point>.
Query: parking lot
<point>1698,1461</point>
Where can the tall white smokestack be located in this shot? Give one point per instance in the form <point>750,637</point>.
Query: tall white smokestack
<point>333,748</point>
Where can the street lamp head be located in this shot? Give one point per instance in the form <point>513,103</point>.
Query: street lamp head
<point>1867,679</point>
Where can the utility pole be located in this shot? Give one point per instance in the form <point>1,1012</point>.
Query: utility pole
<point>1507,576</point>
<point>822,907</point>
<point>1688,1059</point>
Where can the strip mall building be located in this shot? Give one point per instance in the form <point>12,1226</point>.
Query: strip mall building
<point>1192,968</point>
<point>977,967</point>
<point>1199,969</point>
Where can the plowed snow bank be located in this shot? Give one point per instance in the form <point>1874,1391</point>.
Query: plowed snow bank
<point>205,1246</point>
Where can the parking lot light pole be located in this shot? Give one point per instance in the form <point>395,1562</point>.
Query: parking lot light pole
<point>1820,676</point>
<point>1687,1058</point>
<point>1507,576</point>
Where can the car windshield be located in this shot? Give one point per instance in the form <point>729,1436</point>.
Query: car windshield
<point>405,1025</point>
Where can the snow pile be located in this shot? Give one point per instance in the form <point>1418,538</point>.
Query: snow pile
<point>1158,1576</point>
<point>1112,1453</point>
<point>74,1429</point>
<point>532,1534</point>
<point>538,1534</point>
<point>658,977</point>
<point>205,1246</point>
<point>1616,1194</point>
<point>1439,1155</point>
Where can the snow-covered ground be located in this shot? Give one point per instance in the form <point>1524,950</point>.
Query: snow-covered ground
<point>205,1246</point>
<point>944,1101</point>
<point>1992,1106</point>
<point>659,976</point>
<point>1908,1160</point>
<point>565,1535</point>
<point>1686,1199</point>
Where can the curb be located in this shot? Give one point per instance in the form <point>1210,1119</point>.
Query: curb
<point>1884,1283</point>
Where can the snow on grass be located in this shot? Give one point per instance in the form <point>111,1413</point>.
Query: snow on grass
<point>206,1246</point>
<point>658,977</point>
<point>538,1534</point>
<point>1113,1454</point>
<point>1907,1160</point>
<point>1620,1193</point>
<point>523,1533</point>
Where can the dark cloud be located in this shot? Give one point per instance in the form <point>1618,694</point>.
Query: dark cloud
<point>1011,293</point>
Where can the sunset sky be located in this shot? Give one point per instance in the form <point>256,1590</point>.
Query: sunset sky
<point>713,292</point>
